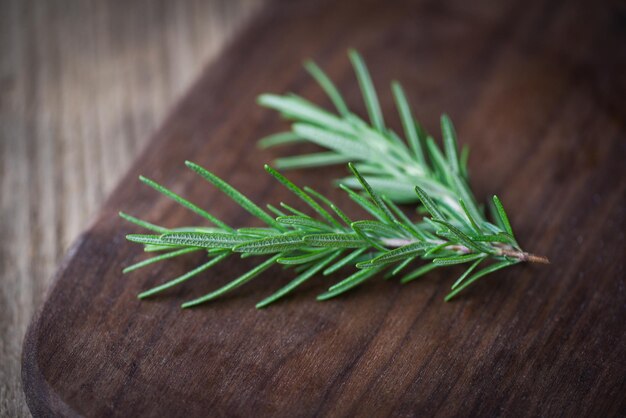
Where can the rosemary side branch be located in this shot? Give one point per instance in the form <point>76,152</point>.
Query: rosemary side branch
<point>385,170</point>
<point>331,240</point>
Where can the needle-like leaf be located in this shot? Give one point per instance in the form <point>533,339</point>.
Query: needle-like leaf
<point>367,88</point>
<point>328,86</point>
<point>184,202</point>
<point>503,216</point>
<point>235,283</point>
<point>478,275</point>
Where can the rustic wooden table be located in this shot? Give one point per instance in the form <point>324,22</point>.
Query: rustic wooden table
<point>536,88</point>
<point>82,86</point>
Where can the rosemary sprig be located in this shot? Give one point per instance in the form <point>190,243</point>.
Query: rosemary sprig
<point>386,169</point>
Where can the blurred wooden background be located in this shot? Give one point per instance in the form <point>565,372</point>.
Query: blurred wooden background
<point>83,84</point>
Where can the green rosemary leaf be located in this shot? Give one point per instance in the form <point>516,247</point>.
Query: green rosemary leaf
<point>147,240</point>
<point>161,257</point>
<point>352,281</point>
<point>356,227</point>
<point>275,210</point>
<point>467,272</point>
<point>464,239</point>
<point>432,251</point>
<point>503,216</point>
<point>401,150</point>
<point>403,218</point>
<point>184,277</point>
<point>303,222</point>
<point>258,232</point>
<point>399,192</point>
<point>304,258</point>
<point>339,143</point>
<point>201,229</point>
<point>457,259</point>
<point>298,281</point>
<point>271,244</point>
<point>330,204</point>
<point>367,88</point>
<point>362,201</point>
<point>408,123</point>
<point>142,223</point>
<point>498,226</point>
<point>294,211</point>
<point>463,191</point>
<point>440,165</point>
<point>371,168</point>
<point>450,143</point>
<point>183,202</point>
<point>154,248</point>
<point>464,159</point>
<point>319,159</point>
<point>328,87</point>
<point>420,271</point>
<point>204,240</point>
<point>428,204</point>
<point>451,211</point>
<point>400,267</point>
<point>300,268</point>
<point>499,237</point>
<point>478,275</point>
<point>298,109</point>
<point>377,228</point>
<point>302,195</point>
<point>470,218</point>
<point>344,261</point>
<point>408,232</point>
<point>349,240</point>
<point>234,284</point>
<point>494,229</point>
<point>373,195</point>
<point>281,138</point>
<point>395,255</point>
<point>233,193</point>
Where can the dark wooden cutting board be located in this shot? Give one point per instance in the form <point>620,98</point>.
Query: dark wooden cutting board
<point>536,89</point>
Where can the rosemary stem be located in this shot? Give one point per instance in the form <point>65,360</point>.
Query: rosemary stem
<point>461,249</point>
<point>524,256</point>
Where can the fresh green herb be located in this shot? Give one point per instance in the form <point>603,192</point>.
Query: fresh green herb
<point>386,169</point>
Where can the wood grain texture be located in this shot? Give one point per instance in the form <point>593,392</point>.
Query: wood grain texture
<point>539,98</point>
<point>82,86</point>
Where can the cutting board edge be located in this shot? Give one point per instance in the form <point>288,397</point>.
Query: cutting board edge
<point>41,399</point>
